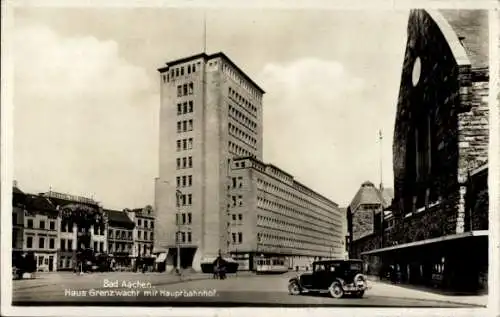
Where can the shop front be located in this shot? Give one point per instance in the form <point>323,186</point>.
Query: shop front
<point>456,262</point>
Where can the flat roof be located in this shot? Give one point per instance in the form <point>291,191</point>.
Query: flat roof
<point>206,57</point>
<point>477,233</point>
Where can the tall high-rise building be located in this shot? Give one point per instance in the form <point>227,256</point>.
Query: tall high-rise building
<point>211,111</point>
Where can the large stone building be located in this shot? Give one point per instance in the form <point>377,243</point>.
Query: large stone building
<point>211,115</point>
<point>271,214</point>
<point>440,152</point>
<point>211,111</point>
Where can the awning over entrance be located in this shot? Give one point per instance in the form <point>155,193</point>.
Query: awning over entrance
<point>161,258</point>
<point>478,233</point>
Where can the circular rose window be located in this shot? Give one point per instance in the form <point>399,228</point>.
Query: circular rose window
<point>417,68</point>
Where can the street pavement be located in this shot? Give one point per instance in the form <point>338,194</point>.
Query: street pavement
<point>242,289</point>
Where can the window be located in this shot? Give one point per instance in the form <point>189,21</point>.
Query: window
<point>190,125</point>
<point>152,224</point>
<point>191,88</point>
<point>51,244</point>
<point>110,233</point>
<point>183,235</point>
<point>190,161</point>
<point>240,217</point>
<point>42,224</point>
<point>178,163</point>
<point>190,143</point>
<point>189,236</point>
<point>190,106</point>
<point>184,126</point>
<point>101,245</point>
<point>182,71</point>
<point>139,222</point>
<point>234,217</point>
<point>184,162</point>
<point>194,68</point>
<point>184,144</point>
<point>185,107</point>
<point>190,199</point>
<point>183,219</point>
<point>190,180</point>
<point>29,242</point>
<point>184,89</point>
<point>40,260</point>
<point>189,218</point>
<point>63,244</point>
<point>30,223</point>
<point>41,242</point>
<point>189,69</point>
<point>179,127</point>
<point>177,72</point>
<point>179,109</point>
<point>178,145</point>
<point>52,225</point>
<point>95,246</point>
<point>178,179</point>
<point>234,237</point>
<point>179,91</point>
<point>70,244</point>
<point>139,234</point>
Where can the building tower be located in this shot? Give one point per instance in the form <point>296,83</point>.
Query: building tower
<point>210,112</point>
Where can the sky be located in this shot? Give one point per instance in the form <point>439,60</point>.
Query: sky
<point>86,93</point>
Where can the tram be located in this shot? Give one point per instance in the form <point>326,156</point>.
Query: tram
<point>271,265</point>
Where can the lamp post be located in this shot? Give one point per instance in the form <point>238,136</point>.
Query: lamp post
<point>178,194</point>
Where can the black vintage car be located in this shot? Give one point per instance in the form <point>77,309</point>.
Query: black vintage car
<point>336,277</point>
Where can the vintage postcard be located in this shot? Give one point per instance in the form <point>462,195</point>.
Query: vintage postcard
<point>196,158</point>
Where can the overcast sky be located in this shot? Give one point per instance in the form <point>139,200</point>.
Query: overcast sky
<point>86,93</point>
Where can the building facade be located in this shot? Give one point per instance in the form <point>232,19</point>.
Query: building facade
<point>271,214</point>
<point>121,238</point>
<point>439,234</point>
<point>143,234</point>
<point>210,112</point>
<point>57,227</point>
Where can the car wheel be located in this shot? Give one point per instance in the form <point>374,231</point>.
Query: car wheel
<point>294,288</point>
<point>336,290</point>
<point>359,294</point>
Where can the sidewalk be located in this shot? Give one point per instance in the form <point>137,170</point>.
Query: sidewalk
<point>384,288</point>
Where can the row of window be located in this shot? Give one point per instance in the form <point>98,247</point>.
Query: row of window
<point>179,71</point>
<point>120,234</point>
<point>325,214</point>
<point>243,83</point>
<point>184,162</point>
<point>185,107</point>
<point>41,224</point>
<point>237,200</point>
<point>242,118</point>
<point>144,249</point>
<point>184,144</point>
<point>145,237</point>
<point>237,150</point>
<point>120,247</point>
<point>237,182</point>
<point>41,243</point>
<point>184,90</point>
<point>280,241</point>
<point>184,218</point>
<point>183,237</point>
<point>98,246</point>
<point>185,181</point>
<point>184,126</point>
<point>293,213</point>
<point>290,227</point>
<point>237,217</point>
<point>184,200</point>
<point>242,135</point>
<point>146,223</point>
<point>237,237</point>
<point>65,262</point>
<point>66,244</point>
<point>242,101</point>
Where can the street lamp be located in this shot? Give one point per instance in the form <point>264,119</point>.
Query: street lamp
<point>178,195</point>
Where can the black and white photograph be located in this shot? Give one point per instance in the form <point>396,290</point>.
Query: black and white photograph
<point>191,155</point>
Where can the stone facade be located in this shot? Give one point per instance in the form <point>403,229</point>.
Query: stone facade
<point>441,130</point>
